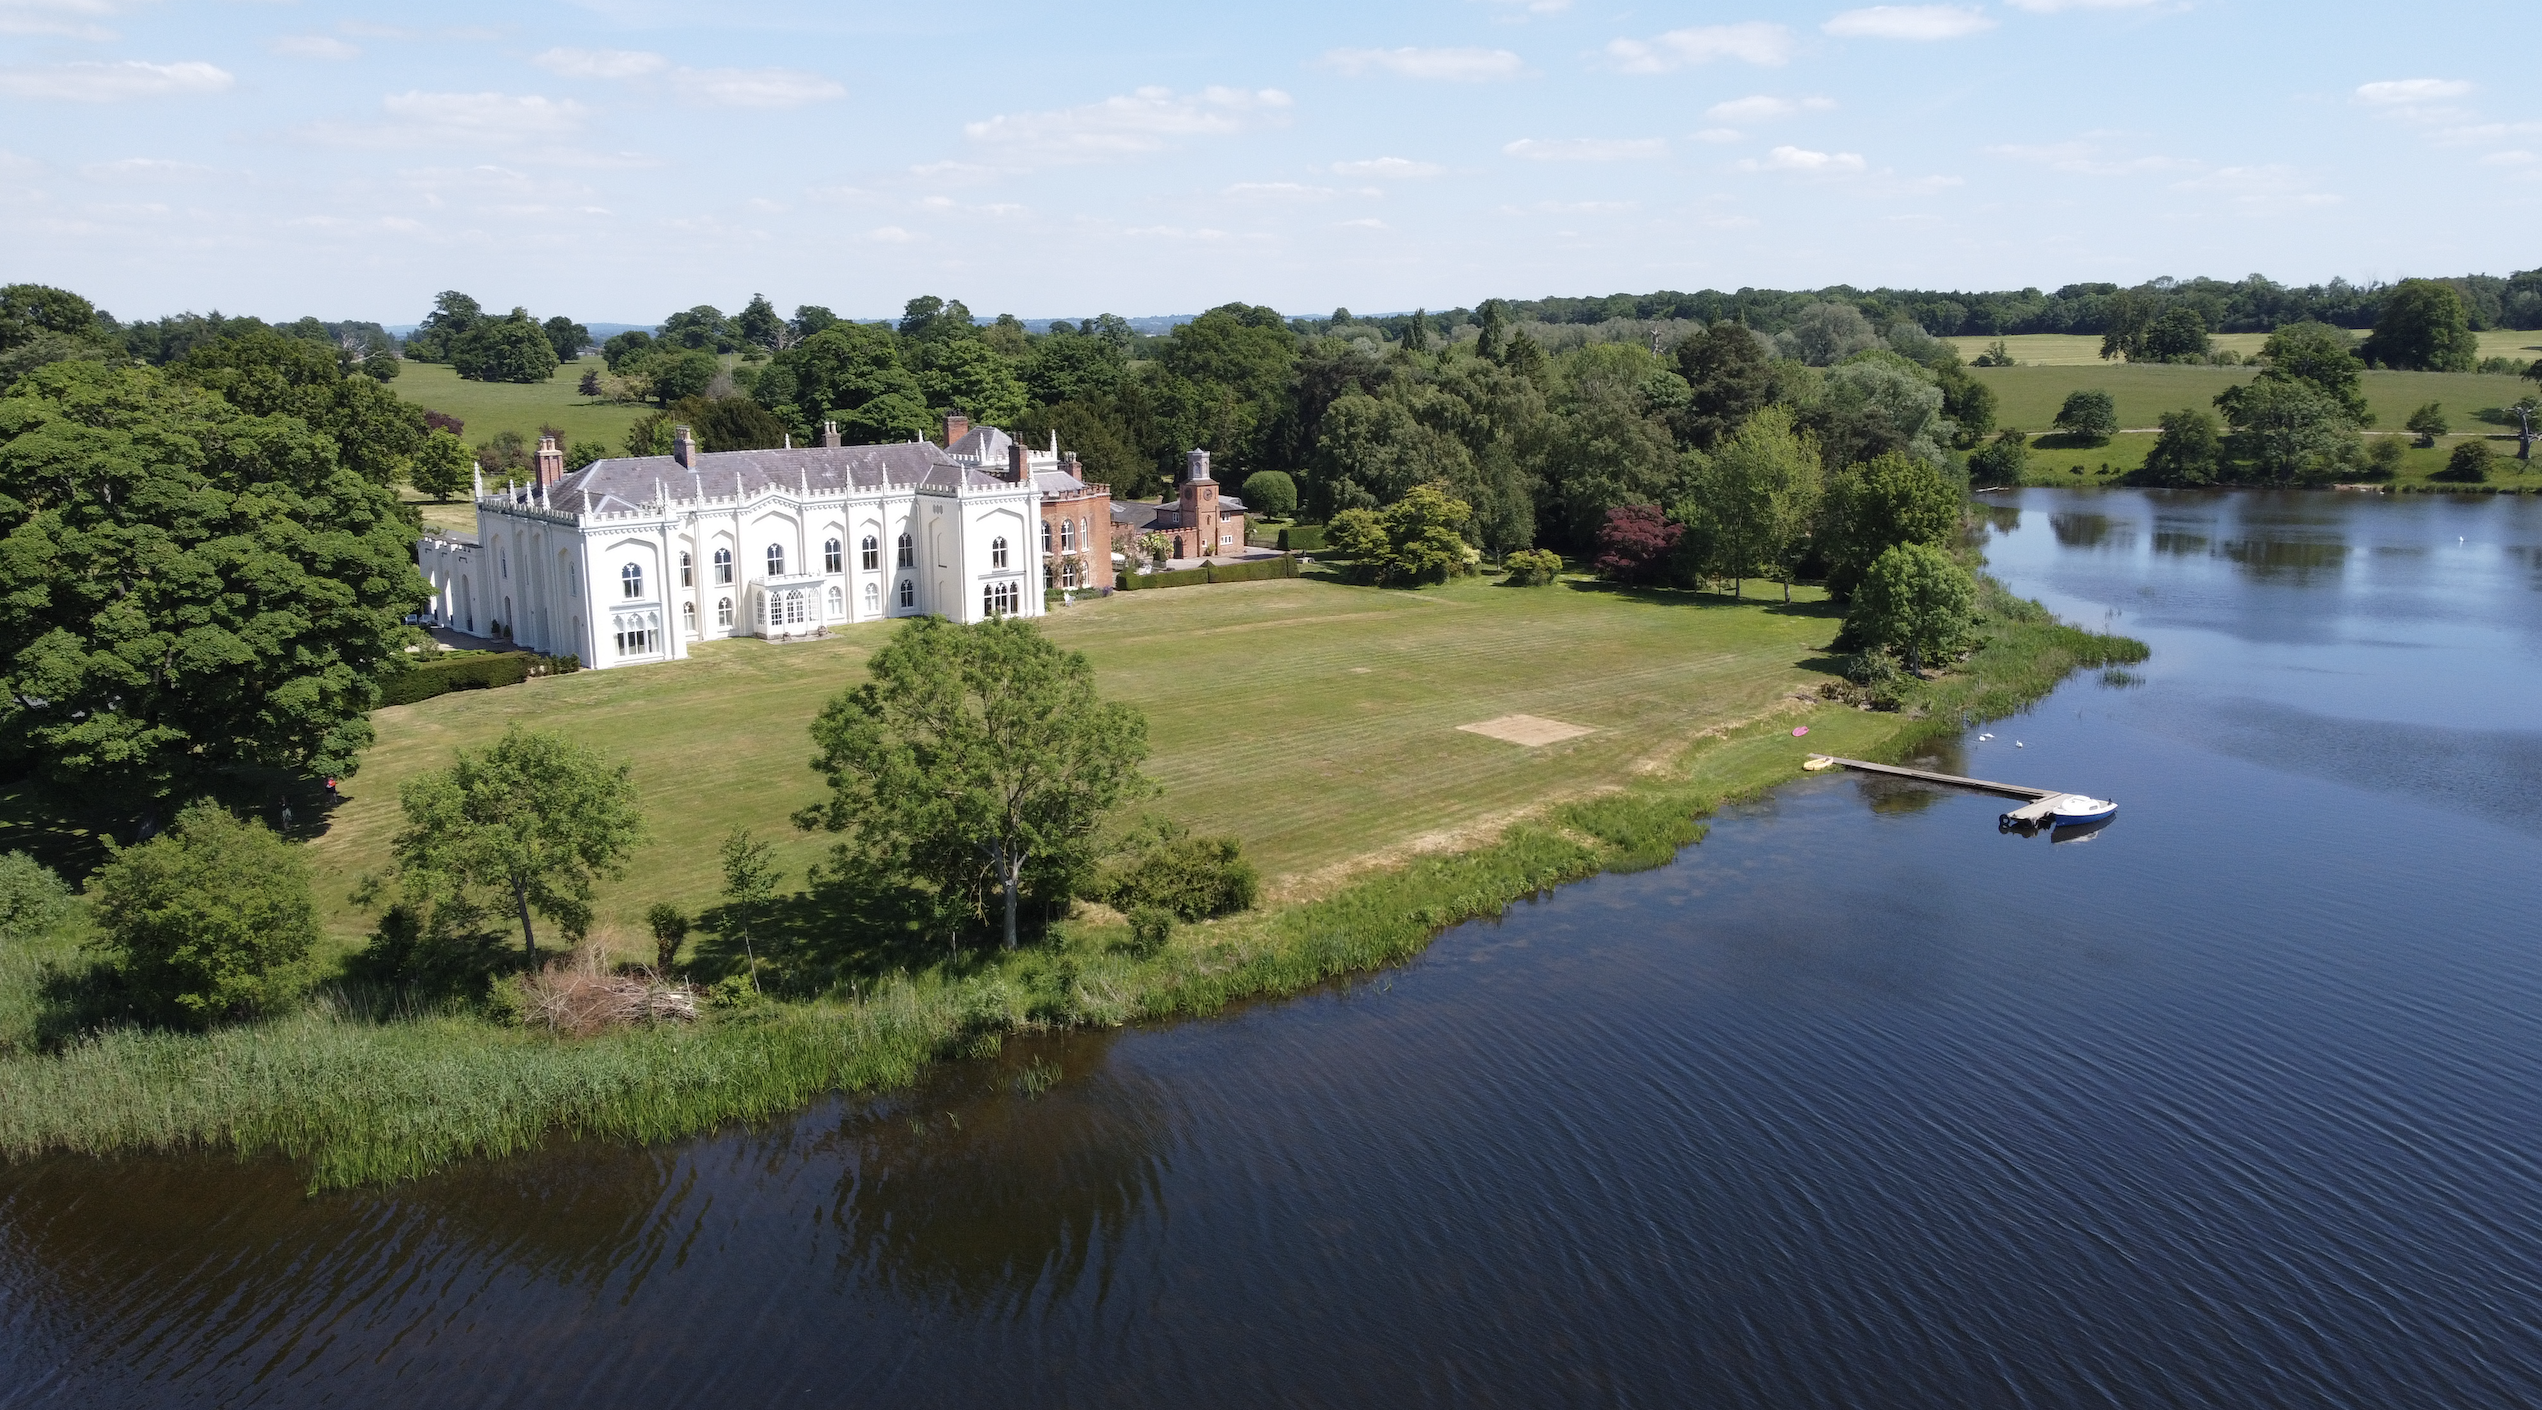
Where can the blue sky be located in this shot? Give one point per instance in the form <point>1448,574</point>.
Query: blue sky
<point>618,159</point>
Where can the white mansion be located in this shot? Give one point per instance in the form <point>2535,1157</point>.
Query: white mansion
<point>631,560</point>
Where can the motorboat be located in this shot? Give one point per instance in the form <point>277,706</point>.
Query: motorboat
<point>2076,808</point>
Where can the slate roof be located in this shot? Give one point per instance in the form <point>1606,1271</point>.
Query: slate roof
<point>623,483</point>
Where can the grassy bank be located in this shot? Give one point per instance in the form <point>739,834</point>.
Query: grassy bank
<point>362,1099</point>
<point>2055,463</point>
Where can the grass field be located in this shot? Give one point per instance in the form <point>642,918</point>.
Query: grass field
<point>1314,720</point>
<point>2084,349</point>
<point>2028,397</point>
<point>490,407</point>
<point>2055,464</point>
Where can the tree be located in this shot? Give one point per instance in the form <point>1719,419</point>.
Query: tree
<point>2177,335</point>
<point>677,376</point>
<point>2469,463</point>
<point>185,591</point>
<point>1157,549</point>
<point>700,329</point>
<point>2190,450</point>
<point>2002,461</point>
<point>1916,601</point>
<point>1967,402</point>
<point>750,881</point>
<point>536,817</point>
<point>32,899</point>
<point>566,336</point>
<point>442,466</point>
<point>759,325</point>
<point>1878,406</point>
<point>729,423</point>
<point>851,373</point>
<point>263,373</point>
<point>1359,535</point>
<point>1425,537</point>
<point>1873,507</point>
<point>633,343</point>
<point>583,453</point>
<point>1636,542</point>
<point>976,756</point>
<point>29,311</point>
<point>1752,502</point>
<point>506,349</point>
<point>210,919</point>
<point>1827,333</point>
<point>2427,423</point>
<point>1729,371</point>
<point>1073,367</point>
<point>2319,354</point>
<point>967,375</point>
<point>453,314</point>
<point>670,926</point>
<point>2288,430</point>
<point>2089,416</point>
<point>2129,315</point>
<point>2423,327</point>
<point>1270,492</point>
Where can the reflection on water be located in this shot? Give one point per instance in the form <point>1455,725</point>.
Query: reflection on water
<point>2238,1103</point>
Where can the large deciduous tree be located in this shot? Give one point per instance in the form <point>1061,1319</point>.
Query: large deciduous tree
<point>536,819</point>
<point>2288,431</point>
<point>2190,451</point>
<point>2090,416</point>
<point>850,373</point>
<point>2423,327</point>
<point>511,348</point>
<point>2321,355</point>
<point>185,591</point>
<point>211,919</point>
<point>1750,504</point>
<point>1873,507</point>
<point>263,373</point>
<point>1916,601</point>
<point>976,757</point>
<point>1730,373</point>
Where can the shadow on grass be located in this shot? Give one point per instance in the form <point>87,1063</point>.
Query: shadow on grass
<point>843,934</point>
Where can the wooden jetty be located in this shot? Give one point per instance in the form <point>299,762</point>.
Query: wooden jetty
<point>2035,812</point>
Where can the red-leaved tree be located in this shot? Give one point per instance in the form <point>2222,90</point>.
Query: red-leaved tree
<point>1634,543</point>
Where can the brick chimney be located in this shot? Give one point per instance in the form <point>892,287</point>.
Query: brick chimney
<point>1068,464</point>
<point>1019,464</point>
<point>551,462</point>
<point>956,426</point>
<point>830,434</point>
<point>684,448</point>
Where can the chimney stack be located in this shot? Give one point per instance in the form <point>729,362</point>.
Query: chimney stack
<point>1019,465</point>
<point>956,426</point>
<point>1196,465</point>
<point>1068,464</point>
<point>684,448</point>
<point>551,462</point>
<point>830,434</point>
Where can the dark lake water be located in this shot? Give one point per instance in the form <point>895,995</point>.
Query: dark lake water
<point>2237,1103</point>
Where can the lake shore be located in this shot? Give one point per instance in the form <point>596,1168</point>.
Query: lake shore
<point>365,1097</point>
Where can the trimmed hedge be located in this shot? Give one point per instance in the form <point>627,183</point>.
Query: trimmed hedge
<point>1302,538</point>
<point>1260,570</point>
<point>431,678</point>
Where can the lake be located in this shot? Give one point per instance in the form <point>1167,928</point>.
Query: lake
<point>2236,1102</point>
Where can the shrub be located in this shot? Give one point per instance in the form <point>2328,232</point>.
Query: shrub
<point>1270,492</point>
<point>425,680</point>
<point>2427,423</point>
<point>2001,461</point>
<point>2089,416</point>
<point>32,899</point>
<point>1916,601</point>
<point>430,951</point>
<point>1533,567</point>
<point>1635,542</point>
<point>1150,928</point>
<point>1302,538</point>
<point>670,925</point>
<point>1190,878</point>
<point>2469,463</point>
<point>211,919</point>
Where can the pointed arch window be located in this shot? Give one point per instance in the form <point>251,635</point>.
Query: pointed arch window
<point>873,597</point>
<point>776,560</point>
<point>908,592</point>
<point>869,554</point>
<point>723,568</point>
<point>908,553</point>
<point>631,580</point>
<point>723,611</point>
<point>688,575</point>
<point>997,552</point>
<point>832,561</point>
<point>838,602</point>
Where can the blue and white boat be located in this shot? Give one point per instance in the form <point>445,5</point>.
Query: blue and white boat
<point>2076,808</point>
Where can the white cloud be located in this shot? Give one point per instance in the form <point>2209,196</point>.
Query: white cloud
<point>1454,65</point>
<point>1754,41</point>
<point>1588,149</point>
<point>313,46</point>
<point>2050,7</point>
<point>2411,91</point>
<point>1279,191</point>
<point>1764,106</point>
<point>1802,159</point>
<point>1397,168</point>
<point>2088,158</point>
<point>1128,124</point>
<point>90,82</point>
<point>1574,208</point>
<point>754,88</point>
<point>600,63</point>
<point>1909,22</point>
<point>57,19</point>
<point>1717,135</point>
<point>419,119</point>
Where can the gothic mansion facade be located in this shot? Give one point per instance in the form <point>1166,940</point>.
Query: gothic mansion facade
<point>632,560</point>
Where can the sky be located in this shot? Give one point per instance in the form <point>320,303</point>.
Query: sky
<point>615,160</point>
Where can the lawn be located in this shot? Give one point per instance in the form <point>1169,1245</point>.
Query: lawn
<point>2028,397</point>
<point>2054,464</point>
<point>2084,349</point>
<point>491,407</point>
<point>1316,721</point>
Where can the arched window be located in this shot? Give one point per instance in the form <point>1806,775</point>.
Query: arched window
<point>723,612</point>
<point>908,591</point>
<point>723,569</point>
<point>870,554</point>
<point>504,557</point>
<point>631,580</point>
<point>688,575</point>
<point>831,561</point>
<point>873,597</point>
<point>838,602</point>
<point>776,560</point>
<point>1067,536</point>
<point>797,607</point>
<point>1045,536</point>
<point>907,552</point>
<point>1085,537</point>
<point>997,552</point>
<point>688,617</point>
<point>988,599</point>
